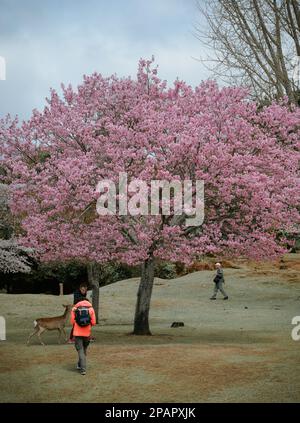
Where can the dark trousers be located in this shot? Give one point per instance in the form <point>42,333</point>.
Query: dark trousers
<point>81,345</point>
<point>219,287</point>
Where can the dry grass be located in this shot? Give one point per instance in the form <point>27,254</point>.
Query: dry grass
<point>235,351</point>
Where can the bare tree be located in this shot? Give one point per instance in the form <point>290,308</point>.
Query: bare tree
<point>256,43</point>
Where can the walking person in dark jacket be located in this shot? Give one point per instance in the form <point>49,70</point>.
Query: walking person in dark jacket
<point>219,281</point>
<point>79,293</point>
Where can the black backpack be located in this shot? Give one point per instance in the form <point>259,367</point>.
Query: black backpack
<point>82,316</point>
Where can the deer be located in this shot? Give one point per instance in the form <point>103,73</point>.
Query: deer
<point>50,323</point>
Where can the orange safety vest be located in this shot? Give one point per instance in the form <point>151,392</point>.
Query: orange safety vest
<point>83,330</point>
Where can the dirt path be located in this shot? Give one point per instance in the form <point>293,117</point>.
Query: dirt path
<point>239,350</point>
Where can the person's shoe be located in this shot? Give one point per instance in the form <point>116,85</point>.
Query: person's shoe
<point>83,372</point>
<point>78,367</point>
<point>212,298</point>
<point>225,298</point>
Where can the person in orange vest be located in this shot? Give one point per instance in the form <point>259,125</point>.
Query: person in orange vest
<point>83,318</point>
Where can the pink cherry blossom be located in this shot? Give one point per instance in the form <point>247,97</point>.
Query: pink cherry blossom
<point>248,159</point>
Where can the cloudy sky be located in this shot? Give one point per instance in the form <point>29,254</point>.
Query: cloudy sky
<point>48,42</point>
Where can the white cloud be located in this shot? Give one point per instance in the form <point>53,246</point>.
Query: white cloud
<point>62,51</point>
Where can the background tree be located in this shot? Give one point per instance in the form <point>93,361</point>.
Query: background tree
<point>256,43</point>
<point>248,160</point>
<point>93,270</point>
<point>14,258</point>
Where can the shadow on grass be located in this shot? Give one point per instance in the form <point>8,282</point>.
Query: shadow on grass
<point>110,335</point>
<point>189,336</point>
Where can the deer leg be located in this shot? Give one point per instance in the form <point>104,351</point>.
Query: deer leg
<point>41,330</point>
<point>66,338</point>
<point>33,333</point>
<point>59,337</point>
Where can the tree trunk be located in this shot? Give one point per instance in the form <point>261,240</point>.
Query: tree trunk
<point>141,319</point>
<point>93,277</point>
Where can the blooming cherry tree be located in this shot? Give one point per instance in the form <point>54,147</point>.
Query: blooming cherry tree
<point>247,158</point>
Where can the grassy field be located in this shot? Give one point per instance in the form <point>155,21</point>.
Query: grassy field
<point>239,350</point>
